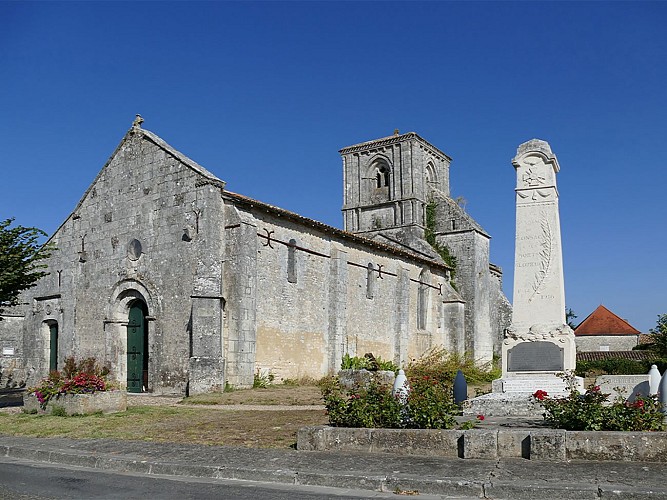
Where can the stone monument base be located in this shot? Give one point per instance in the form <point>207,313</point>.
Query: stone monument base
<point>529,382</point>
<point>511,396</point>
<point>509,404</point>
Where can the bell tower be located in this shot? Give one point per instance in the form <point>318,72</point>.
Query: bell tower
<point>388,182</point>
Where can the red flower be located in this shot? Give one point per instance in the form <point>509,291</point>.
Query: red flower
<point>480,417</point>
<point>639,404</point>
<point>540,395</point>
<point>596,388</point>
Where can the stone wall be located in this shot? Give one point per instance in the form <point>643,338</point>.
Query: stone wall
<point>137,234</point>
<point>605,342</point>
<point>490,444</point>
<point>12,370</point>
<point>501,309</point>
<point>319,297</point>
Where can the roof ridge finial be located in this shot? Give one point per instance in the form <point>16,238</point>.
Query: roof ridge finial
<point>395,131</point>
<point>137,121</point>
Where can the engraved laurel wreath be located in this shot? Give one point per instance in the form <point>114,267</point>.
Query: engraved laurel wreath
<point>545,256</point>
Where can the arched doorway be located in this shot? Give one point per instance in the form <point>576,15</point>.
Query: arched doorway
<point>137,347</point>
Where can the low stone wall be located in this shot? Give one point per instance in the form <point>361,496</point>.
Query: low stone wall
<point>79,404</point>
<point>362,378</point>
<point>533,444</point>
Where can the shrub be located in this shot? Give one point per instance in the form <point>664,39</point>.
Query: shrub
<point>58,411</point>
<point>371,406</point>
<point>442,365</point>
<point>591,411</point>
<point>619,366</point>
<point>430,404</point>
<point>262,379</point>
<point>84,377</point>
<point>367,362</point>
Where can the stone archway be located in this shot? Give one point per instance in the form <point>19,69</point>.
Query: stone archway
<point>131,311</point>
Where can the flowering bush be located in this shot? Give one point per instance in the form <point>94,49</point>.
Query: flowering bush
<point>591,411</point>
<point>371,406</point>
<point>429,405</point>
<point>443,365</point>
<point>85,377</point>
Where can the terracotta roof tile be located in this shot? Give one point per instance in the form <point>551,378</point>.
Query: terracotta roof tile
<point>602,355</point>
<point>604,322</point>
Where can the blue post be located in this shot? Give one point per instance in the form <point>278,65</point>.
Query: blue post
<point>460,388</point>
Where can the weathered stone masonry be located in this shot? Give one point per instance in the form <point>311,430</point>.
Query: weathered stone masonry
<point>225,285</point>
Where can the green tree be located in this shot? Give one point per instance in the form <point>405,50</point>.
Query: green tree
<point>659,335</point>
<point>570,316</point>
<point>21,261</point>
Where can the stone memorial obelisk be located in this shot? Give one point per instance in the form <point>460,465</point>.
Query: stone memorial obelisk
<point>539,346</point>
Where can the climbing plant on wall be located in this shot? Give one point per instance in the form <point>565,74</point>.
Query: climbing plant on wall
<point>429,234</point>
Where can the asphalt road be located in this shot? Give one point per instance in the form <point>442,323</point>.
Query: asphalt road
<point>27,480</point>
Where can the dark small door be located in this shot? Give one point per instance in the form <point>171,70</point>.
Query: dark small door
<point>137,356</point>
<point>53,346</point>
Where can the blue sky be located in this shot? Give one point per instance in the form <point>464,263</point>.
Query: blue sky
<point>264,95</point>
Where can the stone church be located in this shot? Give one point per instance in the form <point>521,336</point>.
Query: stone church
<point>183,286</point>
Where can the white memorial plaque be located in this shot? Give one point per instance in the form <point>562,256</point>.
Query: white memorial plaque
<point>626,387</point>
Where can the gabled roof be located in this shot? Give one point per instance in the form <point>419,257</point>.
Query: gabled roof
<point>136,129</point>
<point>604,322</point>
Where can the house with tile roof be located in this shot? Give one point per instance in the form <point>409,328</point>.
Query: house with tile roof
<point>603,330</point>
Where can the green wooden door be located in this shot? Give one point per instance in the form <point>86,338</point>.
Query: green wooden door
<point>53,347</point>
<point>136,349</point>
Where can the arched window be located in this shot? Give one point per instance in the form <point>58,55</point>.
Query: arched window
<point>381,175</point>
<point>431,178</point>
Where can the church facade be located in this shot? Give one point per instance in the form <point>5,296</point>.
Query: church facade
<point>182,286</point>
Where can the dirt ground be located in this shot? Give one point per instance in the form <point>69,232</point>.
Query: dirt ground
<point>263,418</point>
<point>279,394</point>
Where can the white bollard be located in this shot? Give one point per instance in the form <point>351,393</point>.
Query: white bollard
<point>401,387</point>
<point>662,392</point>
<point>653,380</point>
